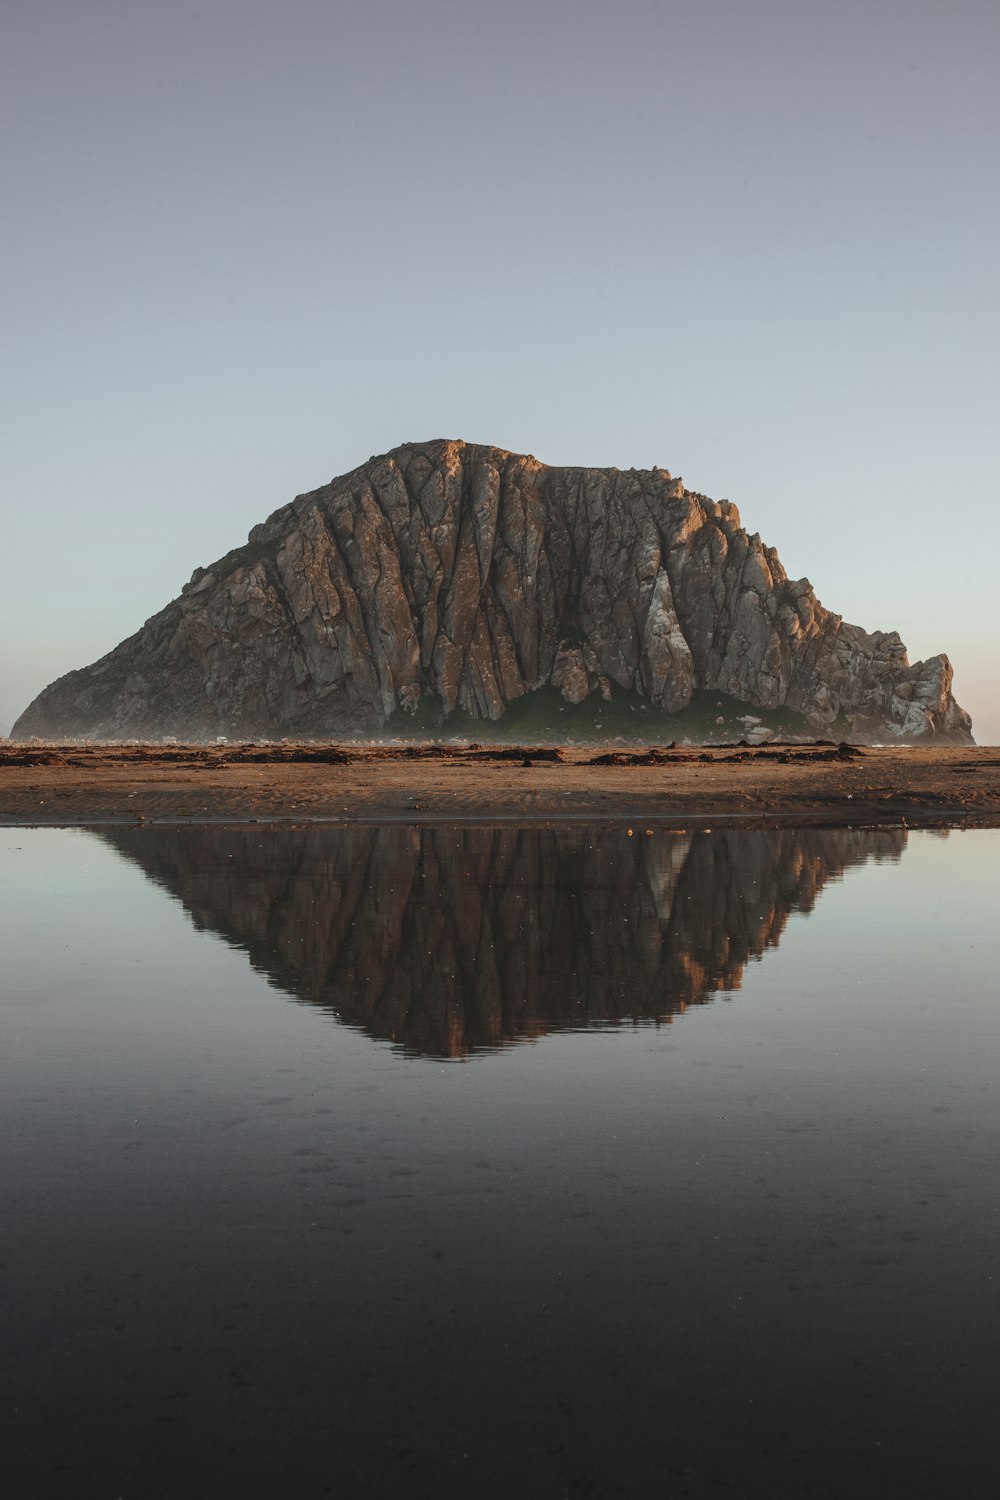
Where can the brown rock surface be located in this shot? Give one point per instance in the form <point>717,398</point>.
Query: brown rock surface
<point>467,576</point>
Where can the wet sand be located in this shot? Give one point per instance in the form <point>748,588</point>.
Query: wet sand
<point>823,785</point>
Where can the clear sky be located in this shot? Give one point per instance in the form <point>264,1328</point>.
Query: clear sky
<point>248,244</point>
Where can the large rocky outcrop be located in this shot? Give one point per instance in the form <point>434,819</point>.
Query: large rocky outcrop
<point>466,577</point>
<point>447,941</point>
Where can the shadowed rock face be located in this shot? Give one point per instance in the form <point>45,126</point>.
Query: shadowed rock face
<point>469,576</point>
<point>449,941</point>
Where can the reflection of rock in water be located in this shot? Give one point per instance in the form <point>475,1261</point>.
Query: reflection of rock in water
<point>449,940</point>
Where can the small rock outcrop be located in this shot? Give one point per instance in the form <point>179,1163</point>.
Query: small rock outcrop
<point>459,576</point>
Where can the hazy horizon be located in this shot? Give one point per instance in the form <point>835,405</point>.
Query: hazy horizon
<point>249,246</point>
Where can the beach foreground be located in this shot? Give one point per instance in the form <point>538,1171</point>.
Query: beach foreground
<point>826,785</point>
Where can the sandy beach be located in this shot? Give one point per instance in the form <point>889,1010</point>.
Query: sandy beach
<point>822,785</point>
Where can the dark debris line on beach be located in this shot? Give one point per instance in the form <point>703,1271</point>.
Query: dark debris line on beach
<point>342,755</point>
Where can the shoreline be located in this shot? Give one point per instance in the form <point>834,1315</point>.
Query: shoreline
<point>73,785</point>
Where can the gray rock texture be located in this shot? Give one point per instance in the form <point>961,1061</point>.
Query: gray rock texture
<point>470,576</point>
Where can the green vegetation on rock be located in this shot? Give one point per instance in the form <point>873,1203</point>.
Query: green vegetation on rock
<point>543,717</point>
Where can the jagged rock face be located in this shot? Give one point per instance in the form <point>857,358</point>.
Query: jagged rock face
<point>448,941</point>
<point>472,576</point>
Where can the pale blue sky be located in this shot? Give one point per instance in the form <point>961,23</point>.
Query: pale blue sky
<point>248,244</point>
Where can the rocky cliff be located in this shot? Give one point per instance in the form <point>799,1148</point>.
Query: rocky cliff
<point>450,941</point>
<point>450,575</point>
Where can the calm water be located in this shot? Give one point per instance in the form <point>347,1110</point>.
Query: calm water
<point>499,1163</point>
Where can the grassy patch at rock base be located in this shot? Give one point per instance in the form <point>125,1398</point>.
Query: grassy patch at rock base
<point>543,717</point>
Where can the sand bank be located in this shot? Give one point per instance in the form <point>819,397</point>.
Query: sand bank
<point>80,784</point>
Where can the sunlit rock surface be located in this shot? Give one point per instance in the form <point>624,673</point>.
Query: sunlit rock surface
<point>449,941</point>
<point>450,575</point>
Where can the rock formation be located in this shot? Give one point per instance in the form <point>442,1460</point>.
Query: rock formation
<point>449,941</point>
<point>452,575</point>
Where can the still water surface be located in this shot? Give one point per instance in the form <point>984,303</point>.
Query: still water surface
<point>520,1162</point>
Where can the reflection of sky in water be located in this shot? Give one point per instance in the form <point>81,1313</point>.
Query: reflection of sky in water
<point>605,1244</point>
